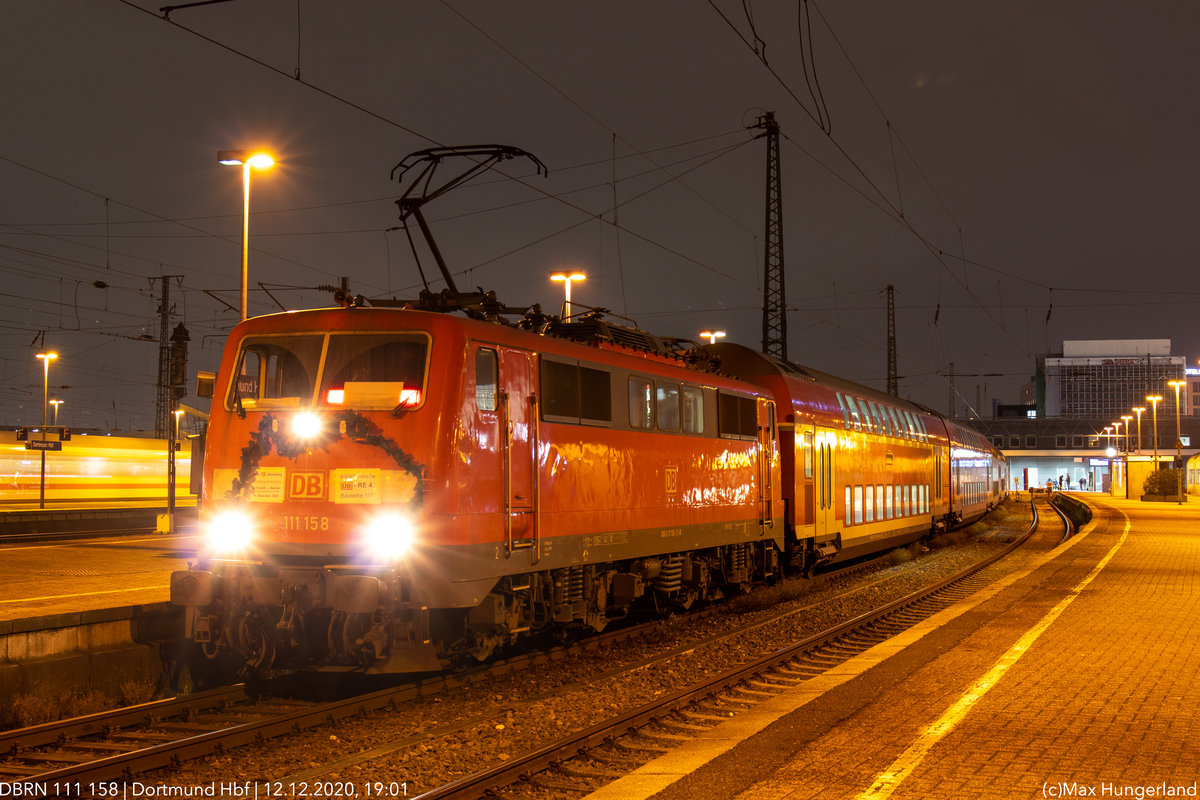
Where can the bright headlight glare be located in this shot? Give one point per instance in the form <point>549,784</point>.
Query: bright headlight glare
<point>306,425</point>
<point>388,537</point>
<point>230,532</point>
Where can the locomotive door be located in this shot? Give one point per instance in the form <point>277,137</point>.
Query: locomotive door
<point>518,450</point>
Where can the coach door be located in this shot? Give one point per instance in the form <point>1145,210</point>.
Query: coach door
<point>518,449</point>
<point>826,497</point>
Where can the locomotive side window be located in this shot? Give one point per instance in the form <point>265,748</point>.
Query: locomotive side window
<point>595,395</point>
<point>737,416</point>
<point>575,393</point>
<point>667,400</point>
<point>692,409</point>
<point>486,374</point>
<point>641,403</point>
<point>560,390</point>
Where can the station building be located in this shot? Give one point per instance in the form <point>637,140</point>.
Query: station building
<point>1069,429</point>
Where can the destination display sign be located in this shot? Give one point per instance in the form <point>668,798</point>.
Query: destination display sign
<point>38,444</point>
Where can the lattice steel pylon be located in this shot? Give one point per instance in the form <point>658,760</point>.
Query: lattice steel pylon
<point>774,299</point>
<point>893,379</point>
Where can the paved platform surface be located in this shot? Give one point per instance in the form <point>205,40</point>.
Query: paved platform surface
<point>1079,677</point>
<point>58,578</point>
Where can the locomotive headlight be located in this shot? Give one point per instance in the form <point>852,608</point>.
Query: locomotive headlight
<point>388,537</point>
<point>306,425</point>
<point>229,532</point>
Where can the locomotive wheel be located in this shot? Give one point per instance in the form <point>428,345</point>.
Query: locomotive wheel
<point>255,641</point>
<point>353,628</point>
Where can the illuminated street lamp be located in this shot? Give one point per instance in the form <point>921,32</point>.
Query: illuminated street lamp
<point>56,404</point>
<point>712,336</point>
<point>567,279</point>
<point>246,159</point>
<point>171,440</point>
<point>1177,385</point>
<point>1138,410</point>
<point>1126,418</point>
<point>1116,449</point>
<point>1154,400</point>
<point>46,359</point>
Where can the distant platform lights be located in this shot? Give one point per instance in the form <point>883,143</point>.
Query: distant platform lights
<point>712,336</point>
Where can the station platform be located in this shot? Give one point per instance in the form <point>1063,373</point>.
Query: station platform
<point>55,578</point>
<point>1077,676</point>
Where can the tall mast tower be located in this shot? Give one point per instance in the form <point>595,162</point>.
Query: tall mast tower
<point>774,341</point>
<point>893,378</point>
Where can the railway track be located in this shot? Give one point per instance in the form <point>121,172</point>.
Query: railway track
<point>583,761</point>
<point>119,745</point>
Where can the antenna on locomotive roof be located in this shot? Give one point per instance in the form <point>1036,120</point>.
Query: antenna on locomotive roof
<point>421,189</point>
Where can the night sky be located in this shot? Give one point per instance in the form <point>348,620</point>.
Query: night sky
<point>1022,173</point>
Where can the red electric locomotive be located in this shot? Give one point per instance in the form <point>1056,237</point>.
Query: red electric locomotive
<point>400,489</point>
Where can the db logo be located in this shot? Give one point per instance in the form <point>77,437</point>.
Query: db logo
<point>306,486</point>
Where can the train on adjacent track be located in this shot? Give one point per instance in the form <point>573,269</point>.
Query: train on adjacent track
<point>95,469</point>
<point>403,489</point>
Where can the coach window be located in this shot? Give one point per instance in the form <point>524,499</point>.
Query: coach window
<point>855,414</point>
<point>692,409</point>
<point>641,403</point>
<point>858,505</point>
<point>485,379</point>
<point>808,455</point>
<point>878,417</point>
<point>869,504</point>
<point>845,411</point>
<point>667,398</point>
<point>849,508</point>
<point>888,491</point>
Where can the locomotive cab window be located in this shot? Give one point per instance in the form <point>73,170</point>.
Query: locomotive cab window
<point>375,370</point>
<point>276,371</point>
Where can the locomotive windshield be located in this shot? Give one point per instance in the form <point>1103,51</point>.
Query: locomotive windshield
<point>360,370</point>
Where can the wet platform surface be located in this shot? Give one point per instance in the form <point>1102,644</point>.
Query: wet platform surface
<point>1079,676</point>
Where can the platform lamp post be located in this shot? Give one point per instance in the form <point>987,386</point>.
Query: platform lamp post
<point>1177,385</point>
<point>1154,400</point>
<point>1126,418</point>
<point>1117,448</point>
<point>245,159</point>
<point>56,404</point>
<point>712,336</point>
<point>1138,410</point>
<point>567,279</point>
<point>171,444</point>
<point>46,359</point>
